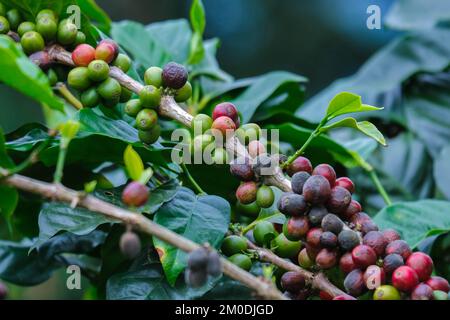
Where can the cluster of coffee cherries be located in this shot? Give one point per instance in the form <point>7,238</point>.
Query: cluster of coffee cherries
<point>323,217</point>
<point>202,263</point>
<point>170,80</point>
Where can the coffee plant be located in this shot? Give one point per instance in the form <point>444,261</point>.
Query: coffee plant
<point>112,182</point>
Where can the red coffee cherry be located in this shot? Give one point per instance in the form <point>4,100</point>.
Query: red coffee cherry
<point>391,235</point>
<point>422,264</point>
<point>296,228</point>
<point>83,55</point>
<point>246,192</point>
<point>326,171</point>
<point>223,124</point>
<point>405,279</point>
<point>326,259</point>
<point>226,109</point>
<point>364,256</point>
<point>325,295</point>
<point>107,50</point>
<point>313,237</point>
<point>299,164</point>
<point>135,194</point>
<point>376,241</point>
<point>400,247</point>
<point>339,200</point>
<point>346,183</point>
<point>438,283</point>
<point>346,263</point>
<point>353,208</point>
<point>422,292</point>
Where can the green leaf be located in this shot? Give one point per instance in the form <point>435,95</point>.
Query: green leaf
<point>9,198</point>
<point>416,220</point>
<point>365,127</point>
<point>199,218</point>
<point>5,160</point>
<point>198,23</point>
<point>345,103</point>
<point>442,171</point>
<point>133,163</point>
<point>94,12</point>
<point>23,75</point>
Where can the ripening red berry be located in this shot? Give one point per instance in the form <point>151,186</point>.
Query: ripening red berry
<point>438,283</point>
<point>107,50</point>
<point>353,208</point>
<point>223,124</point>
<point>364,256</point>
<point>226,109</point>
<point>83,55</point>
<point>325,295</point>
<point>313,237</point>
<point>135,194</point>
<point>346,183</point>
<point>405,279</point>
<point>346,263</point>
<point>246,192</point>
<point>422,264</point>
<point>400,247</point>
<point>326,171</point>
<point>376,241</point>
<point>326,259</point>
<point>299,164</point>
<point>391,235</point>
<point>422,292</point>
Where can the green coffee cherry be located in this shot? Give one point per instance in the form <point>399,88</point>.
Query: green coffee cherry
<point>133,107</point>
<point>32,42</point>
<point>67,32</point>
<point>264,232</point>
<point>90,98</point>
<point>47,13</point>
<point>110,103</point>
<point>201,123</point>
<point>4,25</point>
<point>199,143</point>
<point>248,132</point>
<point>386,292</point>
<point>123,62</point>
<point>125,95</point>
<point>150,96</point>
<point>47,27</point>
<point>150,136</point>
<point>52,77</point>
<point>80,39</point>
<point>14,17</point>
<point>184,93</point>
<point>249,210</point>
<point>110,89</point>
<point>285,248</point>
<point>24,27</point>
<point>146,119</point>
<point>220,156</point>
<point>265,197</point>
<point>233,244</point>
<point>241,260</point>
<point>78,79</point>
<point>153,77</point>
<point>98,70</point>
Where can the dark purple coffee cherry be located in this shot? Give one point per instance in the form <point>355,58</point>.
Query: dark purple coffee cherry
<point>242,169</point>
<point>391,235</point>
<point>316,214</point>
<point>368,226</point>
<point>326,171</point>
<point>346,263</point>
<point>364,256</point>
<point>339,200</point>
<point>195,278</point>
<point>391,262</point>
<point>422,292</point>
<point>328,240</point>
<point>293,281</point>
<point>376,241</point>
<point>316,190</point>
<point>354,283</point>
<point>326,258</point>
<point>292,204</point>
<point>332,223</point>
<point>198,260</point>
<point>130,245</point>
<point>353,208</point>
<point>400,247</point>
<point>298,180</point>
<point>214,267</point>
<point>299,164</point>
<point>348,239</point>
<point>174,75</point>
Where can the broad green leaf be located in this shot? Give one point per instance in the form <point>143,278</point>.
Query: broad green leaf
<point>94,12</point>
<point>416,220</point>
<point>442,171</point>
<point>133,163</point>
<point>23,75</point>
<point>365,127</point>
<point>198,23</point>
<point>199,218</point>
<point>345,103</point>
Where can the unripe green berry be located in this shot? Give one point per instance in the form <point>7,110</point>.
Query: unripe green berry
<point>285,248</point>
<point>67,32</point>
<point>47,27</point>
<point>153,77</point>
<point>4,25</point>
<point>150,96</point>
<point>233,244</point>
<point>125,95</point>
<point>47,13</point>
<point>248,210</point>
<point>123,62</point>
<point>110,89</point>
<point>98,70</point>
<point>201,123</point>
<point>80,39</point>
<point>264,232</point>
<point>199,143</point>
<point>133,107</point>
<point>24,27</point>
<point>265,196</point>
<point>90,98</point>
<point>241,260</point>
<point>184,93</point>
<point>150,136</point>
<point>248,132</point>
<point>386,292</point>
<point>32,42</point>
<point>52,77</point>
<point>14,17</point>
<point>78,78</point>
<point>146,119</point>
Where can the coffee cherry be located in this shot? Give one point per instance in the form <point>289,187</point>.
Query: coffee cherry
<point>374,277</point>
<point>174,75</point>
<point>248,132</point>
<point>368,226</point>
<point>130,245</point>
<point>354,283</point>
<point>285,248</point>
<point>133,107</point>
<point>298,181</point>
<point>80,38</point>
<point>233,244</point>
<point>184,93</point>
<point>246,192</point>
<point>248,210</point>
<point>110,103</point>
<point>405,279</point>
<point>323,295</point>
<point>422,292</point>
<point>146,119</point>
<point>422,264</point>
<point>46,13</point>
<point>400,247</point>
<point>196,279</point>
<point>125,95</point>
<point>391,235</point>
<point>332,223</point>
<point>353,208</point>
<point>346,263</point>
<point>312,251</point>
<point>304,260</point>
<point>198,260</point>
<point>32,42</point>
<point>293,281</point>
<point>14,17</point>
<point>135,194</point>
<point>344,297</point>
<point>110,89</point>
<point>292,204</point>
<point>328,240</point>
<point>47,27</point>
<point>348,240</point>
<point>358,218</point>
<point>364,256</point>
<point>376,241</point>
<point>313,237</point>
<point>150,97</point>
<point>83,55</point>
<point>220,156</point>
<point>316,214</point>
<point>256,148</point>
<point>386,292</point>
<point>90,98</point>
<point>78,78</point>
<point>4,25</point>
<point>67,32</point>
<point>199,143</point>
<point>391,262</point>
<point>23,28</point>
<point>123,62</point>
<point>326,171</point>
<point>339,200</point>
<point>296,228</point>
<point>150,136</point>
<point>3,291</point>
<point>242,169</point>
<point>346,183</point>
<point>41,59</point>
<point>242,261</point>
<point>107,50</point>
<point>439,295</point>
<point>299,164</point>
<point>264,232</point>
<point>224,125</point>
<point>225,109</point>
<point>263,164</point>
<point>438,283</point>
<point>52,77</point>
<point>316,190</point>
<point>201,123</point>
<point>98,69</point>
<point>214,267</point>
<point>265,197</point>
<point>326,258</point>
<point>153,77</point>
